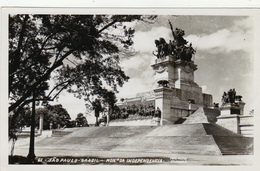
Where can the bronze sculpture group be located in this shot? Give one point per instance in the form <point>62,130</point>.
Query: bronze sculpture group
<point>177,48</point>
<point>230,97</point>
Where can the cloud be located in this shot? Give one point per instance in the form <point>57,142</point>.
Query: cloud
<point>133,87</point>
<point>226,78</point>
<point>139,69</point>
<point>144,41</point>
<point>131,24</point>
<point>246,23</point>
<point>237,37</point>
<point>233,38</point>
<point>204,88</point>
<point>72,104</point>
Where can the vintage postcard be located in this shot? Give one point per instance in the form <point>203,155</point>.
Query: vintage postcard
<point>129,88</point>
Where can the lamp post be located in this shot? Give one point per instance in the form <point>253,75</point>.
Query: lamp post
<point>31,154</point>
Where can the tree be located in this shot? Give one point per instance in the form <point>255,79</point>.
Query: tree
<point>59,115</point>
<point>97,109</point>
<point>23,119</point>
<point>82,50</point>
<point>72,124</point>
<point>110,99</point>
<point>54,114</point>
<point>81,120</point>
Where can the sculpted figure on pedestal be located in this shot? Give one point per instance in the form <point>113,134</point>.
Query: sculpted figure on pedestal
<point>177,47</point>
<point>163,83</point>
<point>162,48</point>
<point>225,98</point>
<point>230,97</point>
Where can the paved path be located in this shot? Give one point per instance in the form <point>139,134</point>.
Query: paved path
<point>183,159</point>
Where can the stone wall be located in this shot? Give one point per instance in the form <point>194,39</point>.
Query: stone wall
<point>174,103</point>
<point>207,100</point>
<point>230,122</point>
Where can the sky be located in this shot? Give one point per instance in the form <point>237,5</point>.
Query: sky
<point>224,55</point>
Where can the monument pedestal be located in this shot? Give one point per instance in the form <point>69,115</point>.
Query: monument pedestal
<point>230,109</point>
<point>164,70</point>
<point>241,106</point>
<point>163,101</point>
<point>230,116</point>
<point>175,89</point>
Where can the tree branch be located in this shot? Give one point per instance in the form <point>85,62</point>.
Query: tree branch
<point>57,55</point>
<point>60,91</point>
<point>16,54</point>
<point>16,72</point>
<point>106,26</point>
<point>40,80</point>
<point>56,87</point>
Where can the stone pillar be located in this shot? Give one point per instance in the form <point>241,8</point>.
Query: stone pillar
<point>184,76</point>
<point>241,106</point>
<point>41,124</point>
<point>108,117</point>
<point>164,70</point>
<point>163,101</point>
<point>190,111</point>
<point>230,116</point>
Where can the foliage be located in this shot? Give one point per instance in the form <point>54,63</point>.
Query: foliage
<point>23,119</point>
<point>59,114</point>
<point>82,51</point>
<point>132,111</point>
<point>81,120</point>
<point>71,124</point>
<point>54,114</point>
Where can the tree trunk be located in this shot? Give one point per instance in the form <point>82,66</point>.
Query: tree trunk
<point>31,154</point>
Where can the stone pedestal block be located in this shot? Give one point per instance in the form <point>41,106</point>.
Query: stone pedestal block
<point>179,89</point>
<point>230,122</point>
<point>231,109</point>
<point>163,101</point>
<point>41,124</point>
<point>231,115</point>
<point>184,76</point>
<point>164,70</point>
<point>241,106</point>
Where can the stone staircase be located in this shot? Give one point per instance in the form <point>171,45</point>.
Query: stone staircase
<point>234,145</point>
<point>171,144</point>
<point>205,139</point>
<point>246,125</point>
<point>229,142</point>
<point>60,133</point>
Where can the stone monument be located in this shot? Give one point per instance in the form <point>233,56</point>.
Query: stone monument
<point>176,93</point>
<point>232,103</point>
<point>232,114</point>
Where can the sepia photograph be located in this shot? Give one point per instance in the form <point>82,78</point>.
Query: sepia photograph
<point>114,88</point>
